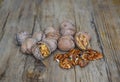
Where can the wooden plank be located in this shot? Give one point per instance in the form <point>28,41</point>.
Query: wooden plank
<point>53,13</point>
<point>47,18</point>
<point>100,18</point>
<point>12,62</point>
<point>96,70</point>
<point>107,26</point>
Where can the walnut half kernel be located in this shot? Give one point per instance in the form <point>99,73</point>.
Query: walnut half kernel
<point>44,50</point>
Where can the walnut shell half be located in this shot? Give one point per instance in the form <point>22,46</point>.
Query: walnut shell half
<point>51,42</point>
<point>41,50</point>
<point>82,40</point>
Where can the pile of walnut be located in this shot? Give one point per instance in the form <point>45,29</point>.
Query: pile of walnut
<point>42,44</point>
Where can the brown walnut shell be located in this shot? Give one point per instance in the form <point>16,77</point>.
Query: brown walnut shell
<point>66,43</point>
<point>27,45</point>
<point>21,36</point>
<point>51,42</point>
<point>67,28</point>
<point>82,40</point>
<point>39,52</point>
<point>37,36</point>
<point>51,32</point>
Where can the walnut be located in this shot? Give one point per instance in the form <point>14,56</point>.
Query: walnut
<point>27,45</point>
<point>41,50</point>
<point>66,64</point>
<point>37,36</point>
<point>21,36</point>
<point>51,42</point>
<point>66,43</point>
<point>91,55</point>
<point>51,32</point>
<point>67,28</point>
<point>82,40</point>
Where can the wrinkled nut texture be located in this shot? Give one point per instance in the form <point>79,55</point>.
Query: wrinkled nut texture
<point>21,36</point>
<point>60,57</point>
<point>37,36</point>
<point>27,45</point>
<point>67,28</point>
<point>82,63</point>
<point>51,32</point>
<point>66,64</point>
<point>66,43</point>
<point>52,43</point>
<point>82,40</point>
<point>91,55</point>
<point>41,50</point>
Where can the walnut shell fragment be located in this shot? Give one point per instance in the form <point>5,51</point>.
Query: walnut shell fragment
<point>27,45</point>
<point>82,40</point>
<point>66,43</point>
<point>21,36</point>
<point>51,32</point>
<point>67,28</point>
<point>91,55</point>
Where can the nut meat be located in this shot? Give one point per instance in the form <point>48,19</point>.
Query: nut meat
<point>82,40</point>
<point>91,55</point>
<point>77,57</point>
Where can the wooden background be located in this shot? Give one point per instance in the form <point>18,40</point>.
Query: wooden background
<point>101,18</point>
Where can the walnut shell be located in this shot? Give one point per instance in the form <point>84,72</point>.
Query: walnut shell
<point>66,43</point>
<point>82,40</point>
<point>37,36</point>
<point>51,32</point>
<point>27,45</point>
<point>52,43</point>
<point>39,53</point>
<point>21,36</point>
<point>67,28</point>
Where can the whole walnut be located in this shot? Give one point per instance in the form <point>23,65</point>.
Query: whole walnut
<point>51,32</point>
<point>37,36</point>
<point>66,43</point>
<point>21,36</point>
<point>27,45</point>
<point>67,28</point>
<point>82,40</point>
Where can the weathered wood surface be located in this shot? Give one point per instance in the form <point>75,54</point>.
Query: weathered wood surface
<point>101,18</point>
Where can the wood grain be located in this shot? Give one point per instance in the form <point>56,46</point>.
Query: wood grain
<point>100,18</point>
